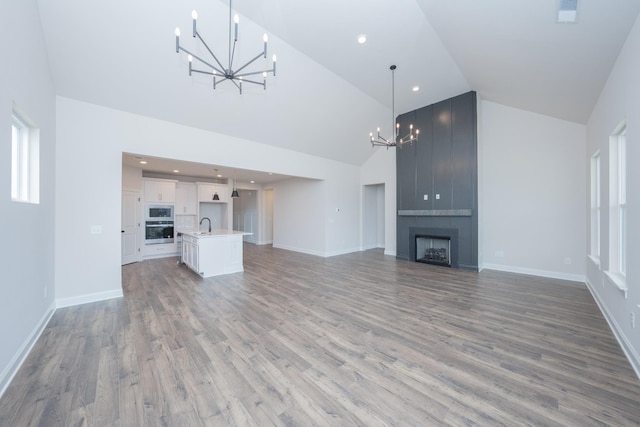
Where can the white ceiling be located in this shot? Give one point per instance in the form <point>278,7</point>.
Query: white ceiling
<point>331,92</point>
<point>168,167</point>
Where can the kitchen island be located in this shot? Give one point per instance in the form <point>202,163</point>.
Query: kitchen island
<point>212,253</point>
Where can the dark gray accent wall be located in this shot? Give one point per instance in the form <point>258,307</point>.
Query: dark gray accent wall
<point>437,177</point>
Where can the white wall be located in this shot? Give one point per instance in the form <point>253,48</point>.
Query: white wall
<point>298,216</point>
<point>619,100</point>
<point>266,216</point>
<point>132,178</point>
<point>533,193</point>
<point>91,140</point>
<point>319,217</point>
<point>342,209</point>
<point>27,262</point>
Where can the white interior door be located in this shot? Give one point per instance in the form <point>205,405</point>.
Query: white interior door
<point>130,226</point>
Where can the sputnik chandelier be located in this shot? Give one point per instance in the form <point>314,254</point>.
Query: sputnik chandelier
<point>219,72</point>
<point>396,140</point>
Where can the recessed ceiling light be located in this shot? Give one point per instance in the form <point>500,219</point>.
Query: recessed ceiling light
<point>143,162</point>
<point>176,171</point>
<point>219,176</point>
<point>362,38</point>
<point>252,181</point>
<point>567,11</point>
<point>415,88</point>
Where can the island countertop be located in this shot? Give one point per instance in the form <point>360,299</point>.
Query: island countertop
<point>214,233</point>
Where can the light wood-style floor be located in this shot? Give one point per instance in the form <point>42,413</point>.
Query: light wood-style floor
<point>354,340</point>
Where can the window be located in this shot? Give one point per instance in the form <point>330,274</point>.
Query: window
<point>594,251</point>
<point>618,206</point>
<point>25,162</point>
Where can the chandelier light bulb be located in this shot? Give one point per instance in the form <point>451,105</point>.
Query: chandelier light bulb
<point>177,32</point>
<point>190,58</point>
<point>236,19</point>
<point>265,38</point>
<point>194,14</point>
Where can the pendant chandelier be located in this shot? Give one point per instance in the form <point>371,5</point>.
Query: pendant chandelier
<point>234,193</point>
<point>222,73</point>
<point>395,140</point>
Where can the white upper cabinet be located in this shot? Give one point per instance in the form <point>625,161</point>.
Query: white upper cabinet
<point>206,192</point>
<point>186,198</point>
<point>159,190</point>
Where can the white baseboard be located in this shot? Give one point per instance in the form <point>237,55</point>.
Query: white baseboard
<point>390,253</point>
<point>317,253</point>
<point>627,348</point>
<point>341,252</point>
<point>85,299</point>
<point>18,359</point>
<point>534,272</point>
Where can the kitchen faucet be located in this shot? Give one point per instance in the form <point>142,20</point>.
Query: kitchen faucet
<point>203,218</point>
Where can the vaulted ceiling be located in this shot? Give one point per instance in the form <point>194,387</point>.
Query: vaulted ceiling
<point>330,92</point>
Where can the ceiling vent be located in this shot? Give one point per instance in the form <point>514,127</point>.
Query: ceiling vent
<point>567,11</point>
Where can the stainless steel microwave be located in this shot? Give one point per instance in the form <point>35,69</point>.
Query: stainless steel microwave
<point>159,212</point>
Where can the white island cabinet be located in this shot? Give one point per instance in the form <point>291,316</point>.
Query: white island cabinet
<point>213,253</point>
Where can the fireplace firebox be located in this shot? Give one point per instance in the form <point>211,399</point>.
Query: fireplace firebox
<point>433,250</point>
<point>437,246</point>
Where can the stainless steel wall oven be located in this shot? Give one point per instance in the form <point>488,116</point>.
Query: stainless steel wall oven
<point>158,232</point>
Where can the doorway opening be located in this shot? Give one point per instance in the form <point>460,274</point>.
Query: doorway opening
<point>373,217</point>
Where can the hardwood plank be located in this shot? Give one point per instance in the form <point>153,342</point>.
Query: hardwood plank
<point>357,339</point>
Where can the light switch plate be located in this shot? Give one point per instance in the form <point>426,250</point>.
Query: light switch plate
<point>426,197</point>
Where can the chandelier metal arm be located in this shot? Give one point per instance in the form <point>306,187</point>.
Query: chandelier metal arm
<point>210,51</point>
<point>209,73</point>
<point>247,64</point>
<point>253,73</point>
<point>193,55</point>
<point>252,81</point>
<point>232,55</point>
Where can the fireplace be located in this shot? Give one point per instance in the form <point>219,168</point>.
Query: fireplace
<point>438,246</point>
<point>433,250</point>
